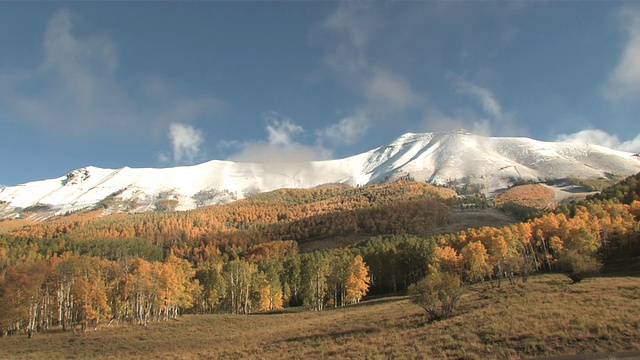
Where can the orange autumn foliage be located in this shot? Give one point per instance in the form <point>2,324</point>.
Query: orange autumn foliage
<point>532,195</point>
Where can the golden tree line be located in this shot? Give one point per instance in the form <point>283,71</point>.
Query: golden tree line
<point>573,243</point>
<point>71,292</point>
<point>576,239</point>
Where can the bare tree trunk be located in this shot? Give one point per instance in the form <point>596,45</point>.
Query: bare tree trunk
<point>547,254</point>
<point>246,300</point>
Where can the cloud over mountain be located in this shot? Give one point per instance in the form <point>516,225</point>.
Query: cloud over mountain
<point>280,147</point>
<point>602,138</point>
<point>624,82</point>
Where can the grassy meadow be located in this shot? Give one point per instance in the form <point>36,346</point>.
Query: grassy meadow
<point>543,317</point>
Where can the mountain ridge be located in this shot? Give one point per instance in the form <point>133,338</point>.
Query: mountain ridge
<point>438,158</point>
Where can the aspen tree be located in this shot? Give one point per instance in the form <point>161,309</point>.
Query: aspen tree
<point>357,284</point>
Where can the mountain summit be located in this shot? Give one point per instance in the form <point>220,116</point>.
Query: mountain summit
<point>439,158</point>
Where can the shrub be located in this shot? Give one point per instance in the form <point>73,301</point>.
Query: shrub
<point>437,294</point>
<point>578,265</point>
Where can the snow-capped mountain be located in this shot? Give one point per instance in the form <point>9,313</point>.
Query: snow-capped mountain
<point>434,157</point>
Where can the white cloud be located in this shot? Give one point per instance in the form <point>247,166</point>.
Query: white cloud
<point>347,34</point>
<point>484,96</point>
<point>437,121</point>
<point>385,94</point>
<point>80,61</point>
<point>348,130</point>
<point>602,138</point>
<point>280,129</point>
<point>624,81</point>
<point>280,147</point>
<point>494,118</point>
<point>348,31</point>
<point>163,158</point>
<point>76,89</point>
<point>73,86</point>
<point>186,142</point>
<point>260,152</point>
<point>354,20</point>
<point>487,99</point>
<point>357,35</point>
<point>591,136</point>
<point>632,145</point>
<point>178,109</point>
<point>388,89</point>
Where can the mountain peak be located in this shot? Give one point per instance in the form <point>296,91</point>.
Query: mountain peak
<point>489,162</point>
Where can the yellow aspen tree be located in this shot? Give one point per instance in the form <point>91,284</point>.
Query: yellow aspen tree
<point>357,283</point>
<point>496,245</point>
<point>447,259</point>
<point>20,296</point>
<point>271,290</point>
<point>635,208</point>
<point>261,292</point>
<point>475,261</point>
<point>185,287</point>
<point>239,275</point>
<point>556,244</point>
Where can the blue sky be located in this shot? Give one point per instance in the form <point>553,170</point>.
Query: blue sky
<point>148,84</point>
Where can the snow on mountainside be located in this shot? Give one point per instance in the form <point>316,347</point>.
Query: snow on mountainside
<point>434,157</point>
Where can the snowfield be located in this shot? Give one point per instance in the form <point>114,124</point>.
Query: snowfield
<point>434,157</point>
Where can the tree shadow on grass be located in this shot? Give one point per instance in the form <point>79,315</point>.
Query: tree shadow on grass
<point>379,300</point>
<point>621,266</point>
<point>336,334</point>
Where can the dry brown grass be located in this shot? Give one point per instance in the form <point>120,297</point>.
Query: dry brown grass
<point>543,317</point>
<point>474,218</point>
<point>460,220</point>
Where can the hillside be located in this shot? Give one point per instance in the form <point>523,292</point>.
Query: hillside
<point>285,214</point>
<point>85,270</point>
<point>543,317</point>
<point>488,163</point>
